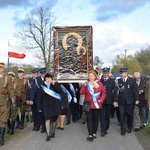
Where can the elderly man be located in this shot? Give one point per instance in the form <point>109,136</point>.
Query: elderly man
<point>139,109</point>
<point>128,96</point>
<point>147,93</point>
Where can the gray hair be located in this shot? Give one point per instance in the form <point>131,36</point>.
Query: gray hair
<point>137,73</point>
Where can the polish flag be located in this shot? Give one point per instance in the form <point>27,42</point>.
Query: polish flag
<point>16,55</point>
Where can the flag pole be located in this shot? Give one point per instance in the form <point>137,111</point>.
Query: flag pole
<point>8,58</point>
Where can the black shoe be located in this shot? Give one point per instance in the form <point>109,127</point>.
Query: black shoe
<point>37,129</point>
<point>61,128</point>
<point>83,122</point>
<point>27,118</point>
<point>7,130</point>
<point>136,129</point>
<point>11,132</point>
<point>42,131</point>
<point>33,128</point>
<point>1,142</point>
<point>17,125</point>
<point>103,134</point>
<point>2,132</point>
<point>31,118</point>
<point>21,127</point>
<point>129,130</point>
<point>52,135</point>
<point>67,123</point>
<point>123,132</point>
<point>48,138</point>
<point>73,120</point>
<point>58,127</point>
<point>22,122</point>
<point>142,127</point>
<point>90,138</point>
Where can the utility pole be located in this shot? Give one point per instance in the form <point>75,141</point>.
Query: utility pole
<point>8,58</point>
<point>125,53</point>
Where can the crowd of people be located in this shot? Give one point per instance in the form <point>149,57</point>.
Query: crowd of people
<point>53,103</point>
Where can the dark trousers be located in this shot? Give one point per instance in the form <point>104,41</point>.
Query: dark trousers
<point>93,120</point>
<point>72,111</point>
<point>115,110</point>
<point>42,120</point>
<point>105,117</point>
<point>117,113</point>
<point>35,116</point>
<point>126,116</point>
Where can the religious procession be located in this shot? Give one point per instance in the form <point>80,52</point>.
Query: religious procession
<point>76,91</point>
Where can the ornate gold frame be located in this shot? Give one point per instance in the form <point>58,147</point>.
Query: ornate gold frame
<point>60,44</point>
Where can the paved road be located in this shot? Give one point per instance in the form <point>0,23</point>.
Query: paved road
<point>73,137</point>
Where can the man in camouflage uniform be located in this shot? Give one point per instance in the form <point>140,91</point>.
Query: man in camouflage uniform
<point>4,103</point>
<point>20,91</point>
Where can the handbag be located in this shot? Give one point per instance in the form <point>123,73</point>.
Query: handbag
<point>86,107</point>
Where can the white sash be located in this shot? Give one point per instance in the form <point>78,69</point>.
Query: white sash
<point>68,94</point>
<point>94,95</point>
<point>51,93</point>
<point>74,93</point>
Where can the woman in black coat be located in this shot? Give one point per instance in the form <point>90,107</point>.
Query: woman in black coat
<point>49,102</point>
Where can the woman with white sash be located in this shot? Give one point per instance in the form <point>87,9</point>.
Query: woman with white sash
<point>49,102</point>
<point>95,93</point>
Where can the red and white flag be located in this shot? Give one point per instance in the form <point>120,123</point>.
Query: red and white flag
<point>16,55</point>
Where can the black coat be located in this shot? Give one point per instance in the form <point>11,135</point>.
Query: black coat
<point>142,86</point>
<point>111,90</point>
<point>50,106</point>
<point>127,91</point>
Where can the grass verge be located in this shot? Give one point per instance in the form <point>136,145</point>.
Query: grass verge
<point>143,136</point>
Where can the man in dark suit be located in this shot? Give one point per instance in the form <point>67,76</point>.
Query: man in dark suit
<point>128,96</point>
<point>35,115</point>
<point>33,96</point>
<point>111,92</point>
<point>139,109</point>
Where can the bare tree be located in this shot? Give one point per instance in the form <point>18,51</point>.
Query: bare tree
<point>36,34</point>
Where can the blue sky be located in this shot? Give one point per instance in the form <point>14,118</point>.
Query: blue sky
<point>117,24</point>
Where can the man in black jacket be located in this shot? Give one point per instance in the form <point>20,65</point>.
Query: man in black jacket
<point>139,109</point>
<point>128,96</point>
<point>36,124</point>
<point>111,91</point>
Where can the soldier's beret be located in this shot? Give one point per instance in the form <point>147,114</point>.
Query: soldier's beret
<point>105,69</point>
<point>20,70</point>
<point>42,70</point>
<point>35,71</point>
<point>122,70</point>
<point>11,74</point>
<point>2,65</point>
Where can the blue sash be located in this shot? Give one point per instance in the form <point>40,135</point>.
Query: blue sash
<point>51,93</point>
<point>74,92</point>
<point>94,95</point>
<point>68,94</point>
